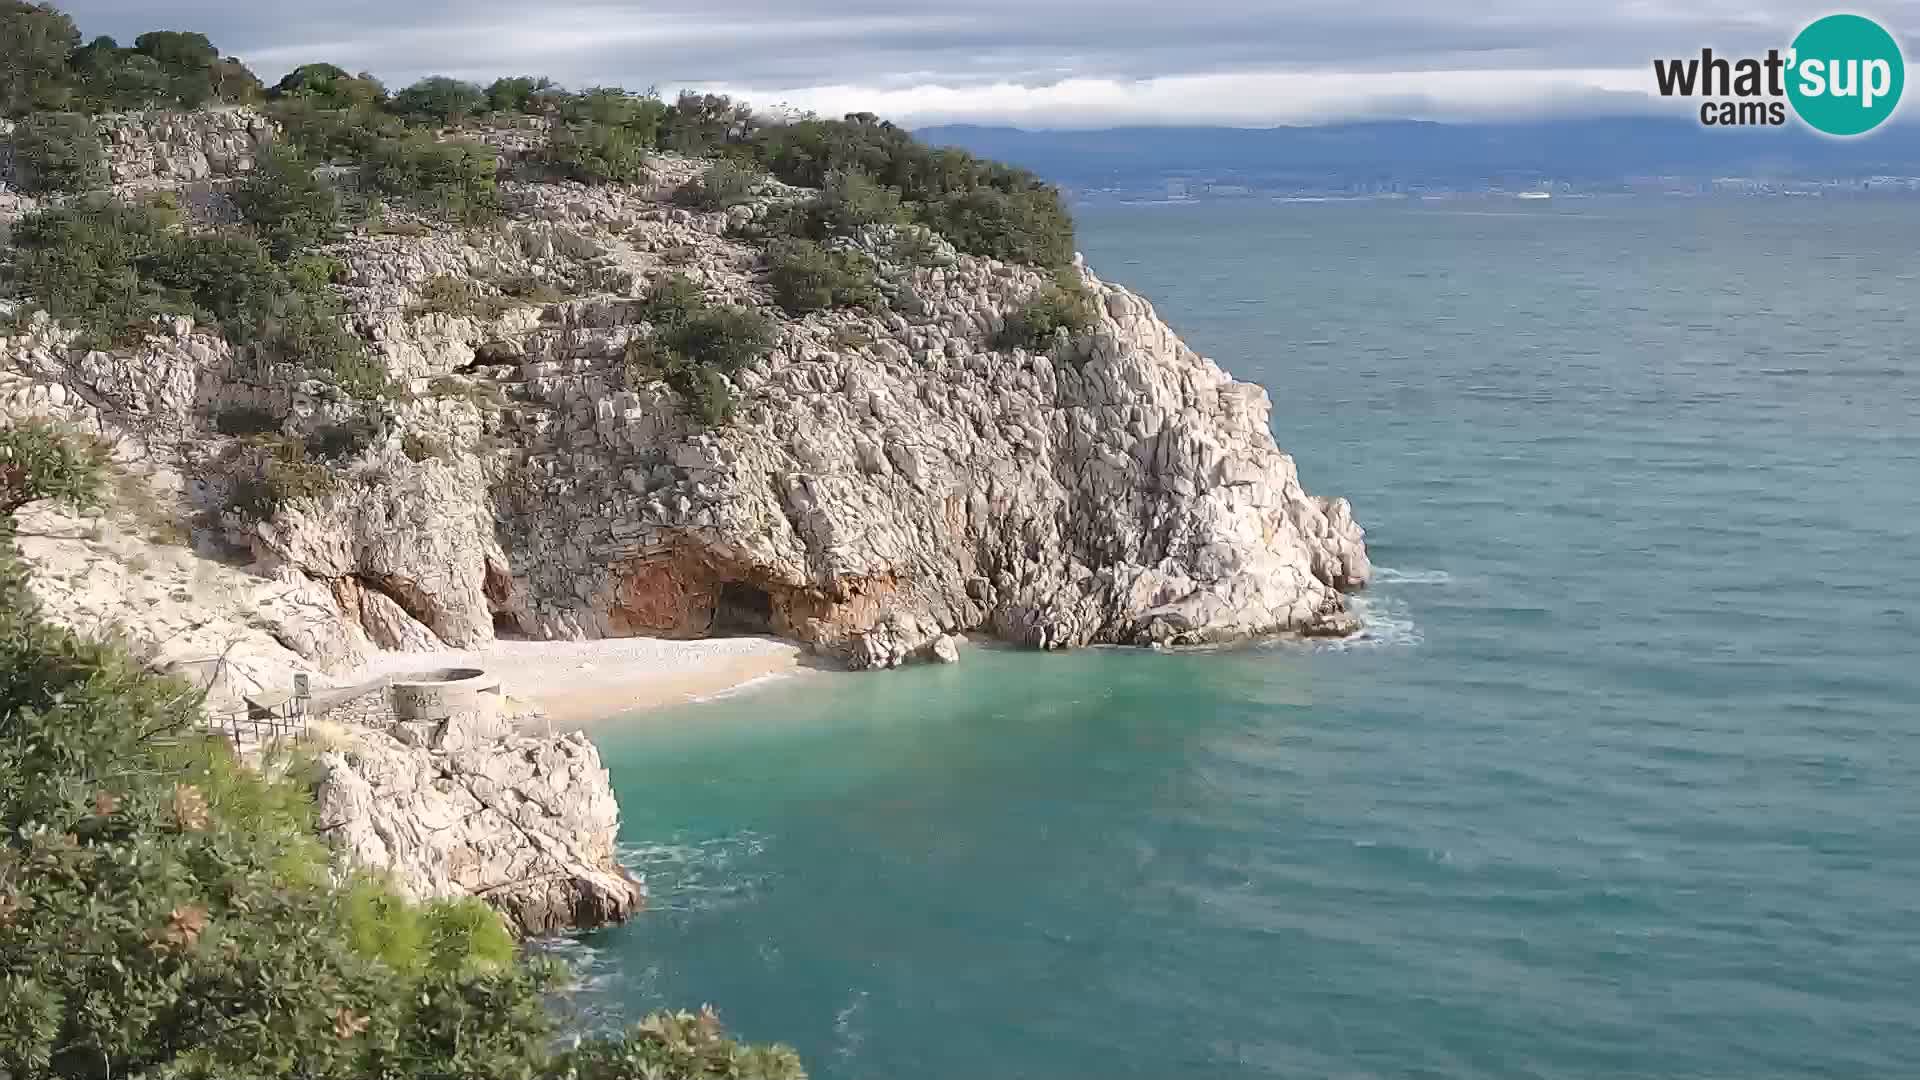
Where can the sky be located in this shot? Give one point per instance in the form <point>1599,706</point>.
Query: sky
<point>1032,63</point>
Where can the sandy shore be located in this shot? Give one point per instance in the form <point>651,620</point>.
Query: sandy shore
<point>578,682</point>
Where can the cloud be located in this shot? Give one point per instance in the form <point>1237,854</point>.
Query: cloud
<point>1041,62</point>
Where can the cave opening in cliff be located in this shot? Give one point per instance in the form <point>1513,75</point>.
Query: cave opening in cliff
<point>742,609</point>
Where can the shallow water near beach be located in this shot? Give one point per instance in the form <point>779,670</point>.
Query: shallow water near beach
<point>1620,782</point>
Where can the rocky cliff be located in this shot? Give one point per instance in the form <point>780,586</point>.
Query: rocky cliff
<point>890,478</point>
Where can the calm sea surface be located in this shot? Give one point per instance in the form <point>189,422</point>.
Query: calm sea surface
<point>1625,781</point>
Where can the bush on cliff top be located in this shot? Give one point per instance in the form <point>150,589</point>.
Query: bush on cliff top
<point>110,269</point>
<point>44,66</point>
<point>167,911</point>
<point>59,153</point>
<point>695,345</point>
<point>595,154</point>
<point>455,178</point>
<point>808,277</point>
<point>286,203</point>
<point>1062,305</point>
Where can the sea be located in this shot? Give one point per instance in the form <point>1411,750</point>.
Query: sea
<point>1622,779</point>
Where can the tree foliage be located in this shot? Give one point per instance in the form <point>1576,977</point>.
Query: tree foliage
<point>456,178</point>
<point>724,184</point>
<point>111,268</point>
<point>59,153</point>
<point>808,277</point>
<point>440,99</point>
<point>39,461</point>
<point>696,345</point>
<point>594,153</point>
<point>168,911</point>
<point>285,202</point>
<point>33,66</point>
<point>1061,306</point>
<point>44,67</point>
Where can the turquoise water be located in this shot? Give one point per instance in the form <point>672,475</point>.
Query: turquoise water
<point>1623,783</point>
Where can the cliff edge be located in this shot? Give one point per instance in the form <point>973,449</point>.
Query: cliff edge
<point>891,474</point>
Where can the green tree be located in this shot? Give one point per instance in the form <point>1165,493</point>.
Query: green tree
<point>329,86</point>
<point>595,154</point>
<point>440,99</point>
<point>33,63</point>
<point>521,94</point>
<point>39,461</point>
<point>809,277</point>
<point>722,185</point>
<point>457,178</point>
<point>285,202</point>
<point>59,152</point>
<point>639,114</point>
<point>699,124</point>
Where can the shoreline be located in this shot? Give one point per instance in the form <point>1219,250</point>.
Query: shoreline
<point>580,684</point>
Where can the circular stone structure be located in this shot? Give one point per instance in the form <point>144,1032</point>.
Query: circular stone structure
<point>447,707</point>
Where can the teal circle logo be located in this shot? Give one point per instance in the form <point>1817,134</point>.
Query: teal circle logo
<point>1845,75</point>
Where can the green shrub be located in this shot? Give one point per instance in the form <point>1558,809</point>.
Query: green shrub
<point>725,338</point>
<point>322,133</point>
<point>808,277</point>
<point>328,86</point>
<point>1025,227</point>
<point>595,154</point>
<point>286,203</point>
<point>695,345</point>
<point>343,441</point>
<point>313,273</point>
<point>440,99</point>
<point>725,184</point>
<point>455,178</point>
<point>1063,305</point>
<point>521,94</point>
<point>610,106</point>
<point>852,200</point>
<point>167,911</point>
<point>217,276</point>
<point>671,300</point>
<point>40,461</point>
<point>670,1046</point>
<point>83,264</point>
<point>983,207</point>
<point>699,124</point>
<point>33,73</point>
<point>281,470</point>
<point>59,153</point>
<point>304,329</point>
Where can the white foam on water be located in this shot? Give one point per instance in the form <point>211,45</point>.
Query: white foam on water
<point>699,875</point>
<point>1387,575</point>
<point>754,683</point>
<point>1385,623</point>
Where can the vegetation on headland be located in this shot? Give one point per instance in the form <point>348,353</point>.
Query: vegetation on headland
<point>166,911</point>
<point>112,269</point>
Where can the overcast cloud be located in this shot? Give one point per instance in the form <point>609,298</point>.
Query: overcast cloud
<point>1038,63</point>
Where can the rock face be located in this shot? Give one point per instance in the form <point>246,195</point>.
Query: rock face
<point>891,477</point>
<point>526,824</point>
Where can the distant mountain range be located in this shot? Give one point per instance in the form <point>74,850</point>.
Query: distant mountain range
<point>1583,153</point>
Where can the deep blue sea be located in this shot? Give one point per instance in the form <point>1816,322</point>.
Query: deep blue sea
<point>1623,782</point>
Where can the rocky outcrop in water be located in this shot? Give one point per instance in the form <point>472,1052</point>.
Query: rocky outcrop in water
<point>526,824</point>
